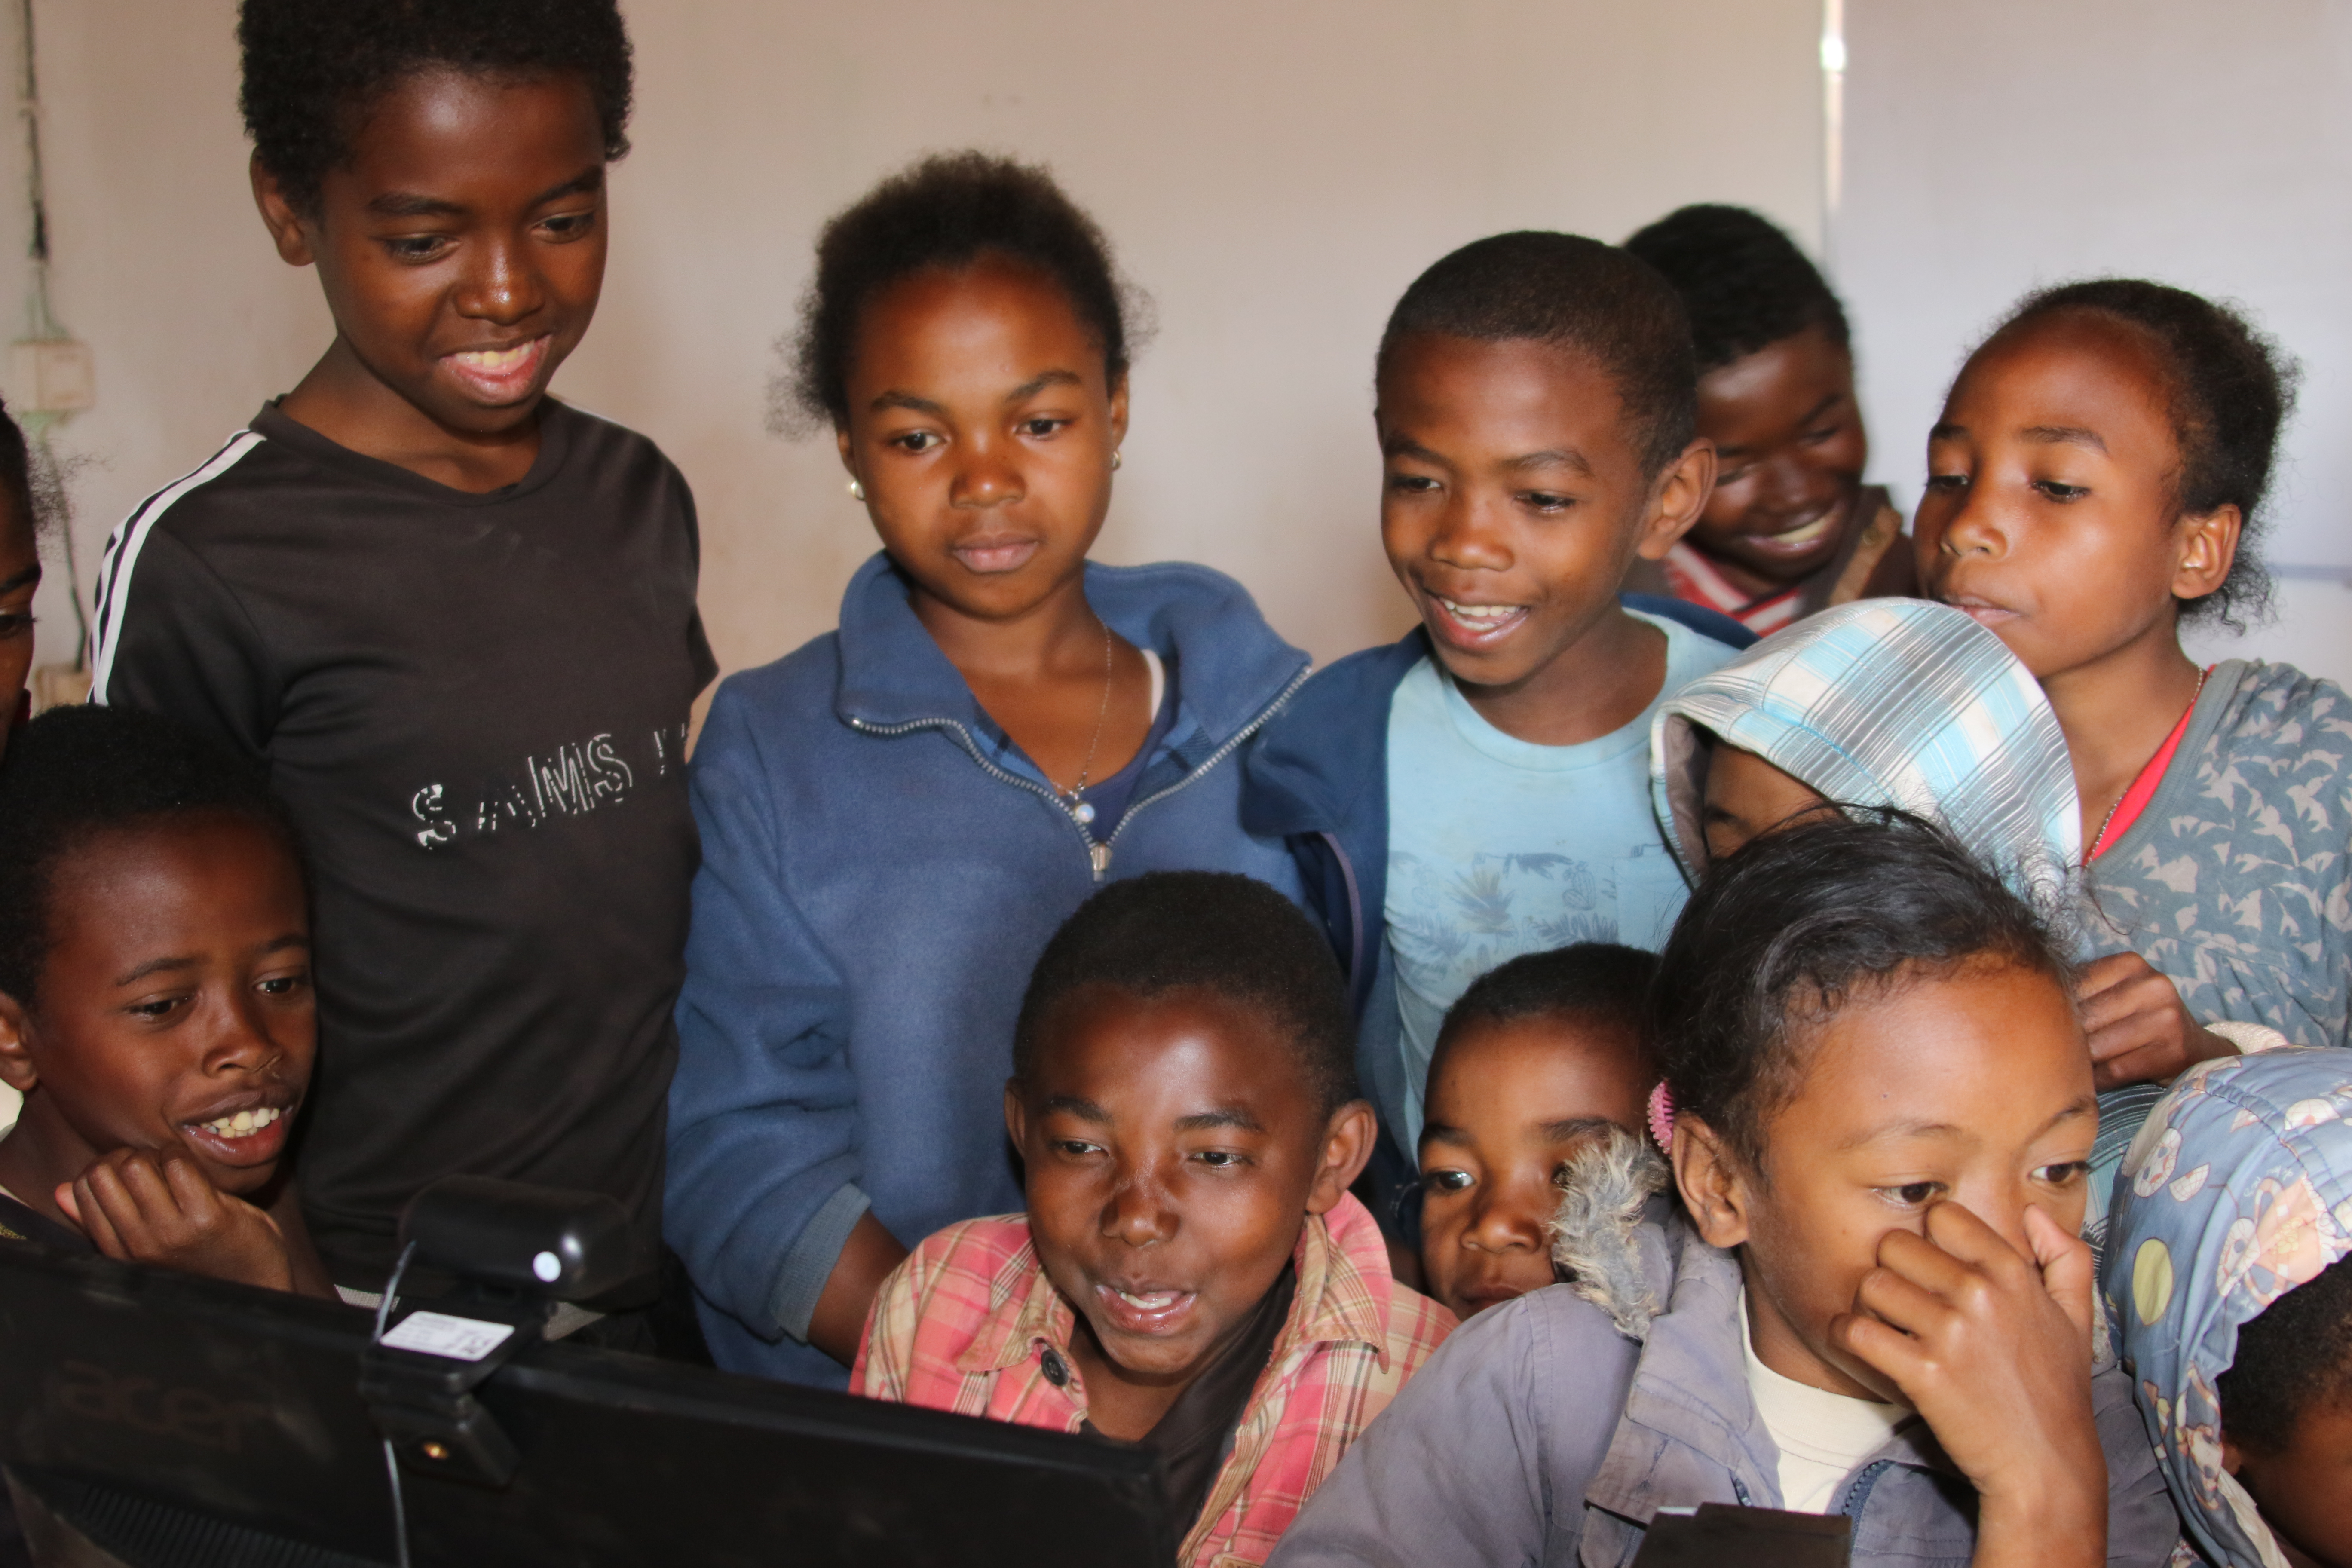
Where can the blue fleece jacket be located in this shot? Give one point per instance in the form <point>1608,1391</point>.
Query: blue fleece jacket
<point>1319,780</point>
<point>879,873</point>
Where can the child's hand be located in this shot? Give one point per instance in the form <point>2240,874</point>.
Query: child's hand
<point>142,1209</point>
<point>2140,1030</point>
<point>1993,1348</point>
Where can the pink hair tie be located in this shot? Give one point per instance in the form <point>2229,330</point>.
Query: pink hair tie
<point>1662,1119</point>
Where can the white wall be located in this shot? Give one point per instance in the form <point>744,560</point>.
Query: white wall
<point>1274,172</point>
<point>1992,145</point>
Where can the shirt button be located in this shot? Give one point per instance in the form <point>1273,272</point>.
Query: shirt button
<point>1056,1370</point>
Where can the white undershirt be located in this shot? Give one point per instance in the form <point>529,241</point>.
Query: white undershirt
<point>1159,680</point>
<point>1824,1438</point>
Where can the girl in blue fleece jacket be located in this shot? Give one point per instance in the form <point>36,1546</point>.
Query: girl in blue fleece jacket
<point>895,817</point>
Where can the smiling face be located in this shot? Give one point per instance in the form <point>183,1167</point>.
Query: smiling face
<point>1172,1147</point>
<point>20,578</point>
<point>1515,498</point>
<point>1748,797</point>
<point>1971,1087</point>
<point>2053,468</point>
<point>1509,1102</point>
<point>461,247</point>
<point>2304,1489</point>
<point>982,428</point>
<point>1789,455</point>
<point>175,1008</point>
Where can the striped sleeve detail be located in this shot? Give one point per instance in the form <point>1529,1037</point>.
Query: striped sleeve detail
<point>121,556</point>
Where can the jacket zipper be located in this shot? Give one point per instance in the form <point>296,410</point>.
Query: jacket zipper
<point>1098,853</point>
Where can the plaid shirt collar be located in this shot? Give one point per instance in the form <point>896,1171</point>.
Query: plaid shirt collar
<point>1028,1316</point>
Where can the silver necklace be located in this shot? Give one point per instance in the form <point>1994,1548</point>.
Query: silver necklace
<point>2107,821</point>
<point>1075,798</point>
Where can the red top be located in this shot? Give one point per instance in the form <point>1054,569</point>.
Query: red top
<point>2143,788</point>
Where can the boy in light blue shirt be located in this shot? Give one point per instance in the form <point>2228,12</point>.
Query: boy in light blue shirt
<point>1480,789</point>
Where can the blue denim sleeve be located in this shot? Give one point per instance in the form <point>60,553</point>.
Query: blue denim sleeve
<point>763,1117</point>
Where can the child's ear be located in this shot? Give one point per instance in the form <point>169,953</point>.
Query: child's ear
<point>1715,1187</point>
<point>16,1057</point>
<point>1119,410</point>
<point>2234,1458</point>
<point>1346,1148</point>
<point>286,225</point>
<point>1016,1114</point>
<point>2209,546</point>
<point>1676,499</point>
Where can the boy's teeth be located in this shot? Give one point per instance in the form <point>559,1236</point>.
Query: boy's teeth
<point>1157,1298</point>
<point>494,359</point>
<point>243,1124</point>
<point>1489,613</point>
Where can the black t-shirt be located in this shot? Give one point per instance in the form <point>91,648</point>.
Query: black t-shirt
<point>475,706</point>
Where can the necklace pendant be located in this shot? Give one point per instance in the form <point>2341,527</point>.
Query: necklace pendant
<point>1084,812</point>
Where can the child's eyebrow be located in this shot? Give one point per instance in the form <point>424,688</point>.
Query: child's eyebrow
<point>909,401</point>
<point>154,966</point>
<point>409,204</point>
<point>1037,384</point>
<point>2063,435</point>
<point>29,575</point>
<point>1233,1117</point>
<point>1070,1104</point>
<point>1558,458</point>
<point>1394,446</point>
<point>1572,1127</point>
<point>1947,432</point>
<point>1444,1133</point>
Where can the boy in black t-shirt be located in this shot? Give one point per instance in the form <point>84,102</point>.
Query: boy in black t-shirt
<point>455,617</point>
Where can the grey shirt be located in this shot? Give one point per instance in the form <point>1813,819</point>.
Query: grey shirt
<point>1539,1435</point>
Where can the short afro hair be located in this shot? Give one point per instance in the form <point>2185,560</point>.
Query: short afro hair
<point>1743,281</point>
<point>2294,1358</point>
<point>946,212</point>
<point>1211,930</point>
<point>76,773</point>
<point>1601,983</point>
<point>1566,289</point>
<point>2229,390</point>
<point>1777,938</point>
<point>313,68</point>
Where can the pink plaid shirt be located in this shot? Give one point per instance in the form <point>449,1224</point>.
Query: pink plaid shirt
<point>966,1323</point>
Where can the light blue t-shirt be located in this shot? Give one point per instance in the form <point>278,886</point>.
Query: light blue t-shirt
<point>1499,847</point>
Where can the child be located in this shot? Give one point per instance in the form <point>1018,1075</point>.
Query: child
<point>20,579</point>
<point>1790,527</point>
<point>1890,702</point>
<point>155,1003</point>
<point>1536,1058</point>
<point>2119,434</point>
<point>1191,1273</point>
<point>895,817</point>
<point>2231,1298</point>
<point>1479,790</point>
<point>1877,1305</point>
<point>453,618</point>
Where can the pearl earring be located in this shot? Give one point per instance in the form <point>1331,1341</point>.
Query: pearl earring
<point>1115,460</point>
<point>857,490</point>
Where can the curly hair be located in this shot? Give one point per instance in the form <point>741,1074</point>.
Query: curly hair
<point>2296,1356</point>
<point>314,67</point>
<point>1217,931</point>
<point>77,773</point>
<point>1564,289</point>
<point>946,212</point>
<point>1743,281</point>
<point>1778,937</point>
<point>2230,389</point>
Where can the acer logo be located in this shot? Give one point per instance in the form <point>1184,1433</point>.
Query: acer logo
<point>143,1405</point>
